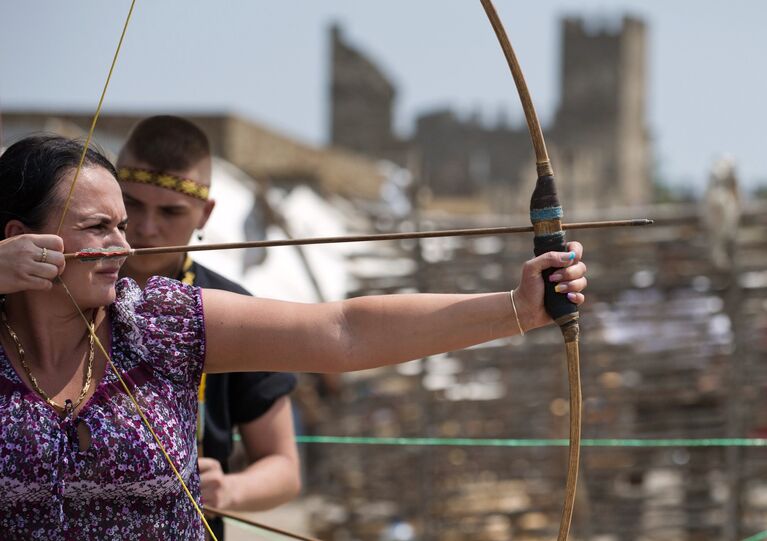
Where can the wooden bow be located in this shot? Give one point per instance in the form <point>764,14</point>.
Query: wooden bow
<point>546,216</point>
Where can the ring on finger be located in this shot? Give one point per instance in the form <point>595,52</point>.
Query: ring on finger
<point>44,256</point>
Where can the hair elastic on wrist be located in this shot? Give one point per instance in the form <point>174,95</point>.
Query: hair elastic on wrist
<point>516,315</point>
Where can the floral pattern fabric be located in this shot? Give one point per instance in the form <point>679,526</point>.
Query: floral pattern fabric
<point>121,486</point>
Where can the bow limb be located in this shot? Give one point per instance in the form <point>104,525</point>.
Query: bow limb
<point>546,216</point>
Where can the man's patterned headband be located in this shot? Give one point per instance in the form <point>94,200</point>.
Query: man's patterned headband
<point>182,185</point>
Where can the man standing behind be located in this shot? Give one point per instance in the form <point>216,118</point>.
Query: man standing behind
<point>165,174</point>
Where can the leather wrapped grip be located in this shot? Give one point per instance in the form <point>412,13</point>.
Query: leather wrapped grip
<point>546,215</point>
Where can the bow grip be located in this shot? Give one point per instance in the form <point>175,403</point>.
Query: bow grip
<point>546,217</point>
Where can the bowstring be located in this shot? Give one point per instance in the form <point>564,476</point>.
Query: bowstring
<point>91,329</point>
<point>95,118</point>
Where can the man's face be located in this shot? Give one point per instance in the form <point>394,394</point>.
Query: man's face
<point>161,217</point>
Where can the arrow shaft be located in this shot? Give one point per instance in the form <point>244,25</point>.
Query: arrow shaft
<point>476,232</point>
<point>243,519</point>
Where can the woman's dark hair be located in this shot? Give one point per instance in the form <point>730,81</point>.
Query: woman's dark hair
<point>30,171</point>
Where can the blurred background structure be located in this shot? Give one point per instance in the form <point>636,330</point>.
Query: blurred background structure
<point>599,138</point>
<point>674,333</point>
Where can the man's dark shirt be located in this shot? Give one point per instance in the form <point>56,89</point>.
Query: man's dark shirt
<point>232,398</point>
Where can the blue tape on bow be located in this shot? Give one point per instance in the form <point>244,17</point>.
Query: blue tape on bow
<point>549,213</point>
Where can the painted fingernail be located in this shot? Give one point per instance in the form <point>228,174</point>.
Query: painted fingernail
<point>555,277</point>
<point>560,288</point>
<point>571,297</point>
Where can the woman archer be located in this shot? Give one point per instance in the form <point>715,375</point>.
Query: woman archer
<point>74,458</point>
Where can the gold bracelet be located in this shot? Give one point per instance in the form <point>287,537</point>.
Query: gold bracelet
<point>516,315</point>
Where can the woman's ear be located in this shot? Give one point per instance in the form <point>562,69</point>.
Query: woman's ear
<point>14,228</point>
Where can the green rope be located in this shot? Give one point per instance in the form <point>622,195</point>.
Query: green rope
<point>488,442</point>
<point>758,537</point>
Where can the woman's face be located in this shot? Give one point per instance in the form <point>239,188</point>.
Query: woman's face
<point>96,219</point>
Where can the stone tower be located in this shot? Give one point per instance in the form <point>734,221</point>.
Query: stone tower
<point>598,142</point>
<point>601,144</point>
<point>361,98</point>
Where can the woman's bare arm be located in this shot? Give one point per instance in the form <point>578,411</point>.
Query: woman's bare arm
<point>246,333</point>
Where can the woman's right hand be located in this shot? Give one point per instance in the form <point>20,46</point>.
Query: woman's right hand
<point>30,262</point>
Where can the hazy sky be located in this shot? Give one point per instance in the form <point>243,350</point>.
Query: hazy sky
<point>269,61</point>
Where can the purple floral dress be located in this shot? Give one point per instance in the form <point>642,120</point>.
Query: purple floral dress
<point>120,487</point>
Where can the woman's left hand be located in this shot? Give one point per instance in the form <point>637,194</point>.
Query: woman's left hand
<point>570,278</point>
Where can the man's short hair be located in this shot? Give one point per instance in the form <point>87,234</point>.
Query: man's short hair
<point>167,143</point>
